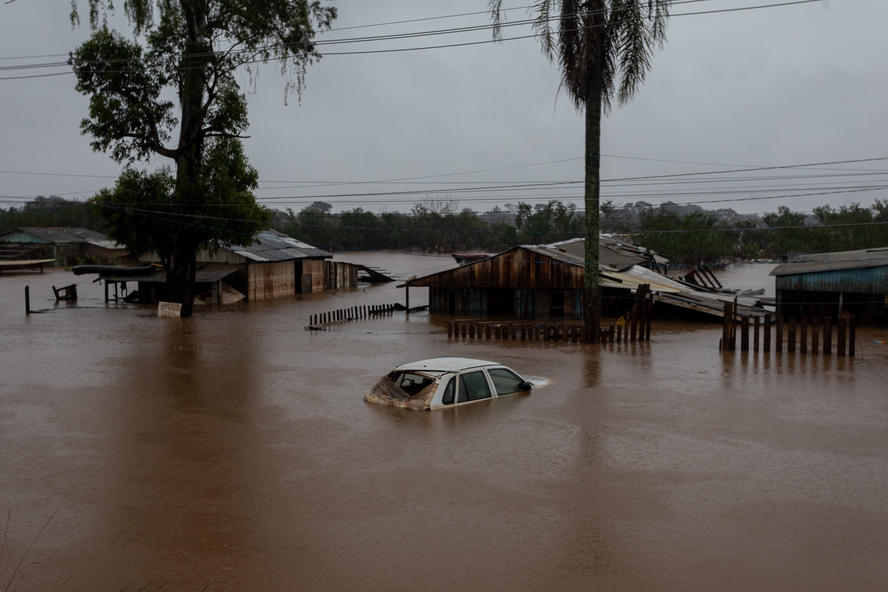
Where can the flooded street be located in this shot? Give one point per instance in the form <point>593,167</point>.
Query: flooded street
<point>233,451</point>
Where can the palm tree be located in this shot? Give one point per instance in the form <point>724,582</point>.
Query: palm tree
<point>604,49</point>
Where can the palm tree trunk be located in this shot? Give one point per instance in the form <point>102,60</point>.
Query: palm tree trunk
<point>591,291</point>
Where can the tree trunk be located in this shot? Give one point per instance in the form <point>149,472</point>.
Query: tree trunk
<point>181,272</point>
<point>189,164</point>
<point>591,291</point>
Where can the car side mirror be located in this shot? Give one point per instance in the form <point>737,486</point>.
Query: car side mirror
<point>525,386</point>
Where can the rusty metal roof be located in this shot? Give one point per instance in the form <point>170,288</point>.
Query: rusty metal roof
<point>270,245</point>
<point>822,262</point>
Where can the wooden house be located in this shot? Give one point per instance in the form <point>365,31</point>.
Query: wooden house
<point>535,281</point>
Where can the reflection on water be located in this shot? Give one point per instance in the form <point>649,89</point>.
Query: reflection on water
<point>233,451</point>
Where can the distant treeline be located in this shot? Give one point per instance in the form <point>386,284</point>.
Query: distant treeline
<point>436,226</point>
<point>51,212</point>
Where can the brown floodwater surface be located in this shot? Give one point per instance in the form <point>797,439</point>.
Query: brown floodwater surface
<point>233,451</point>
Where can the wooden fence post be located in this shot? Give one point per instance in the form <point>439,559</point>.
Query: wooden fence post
<point>778,341</point>
<point>755,333</point>
<point>803,340</point>
<point>815,335</point>
<point>840,344</point>
<point>744,334</point>
<point>767,344</point>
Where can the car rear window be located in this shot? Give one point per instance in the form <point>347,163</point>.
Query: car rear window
<point>505,381</point>
<point>449,391</point>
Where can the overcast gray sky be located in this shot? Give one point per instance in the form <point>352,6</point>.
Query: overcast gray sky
<point>771,87</point>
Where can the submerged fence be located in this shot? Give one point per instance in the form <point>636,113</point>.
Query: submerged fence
<point>353,313</point>
<point>802,334</point>
<point>633,326</point>
<point>357,313</point>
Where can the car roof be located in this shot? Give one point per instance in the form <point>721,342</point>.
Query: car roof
<point>445,364</point>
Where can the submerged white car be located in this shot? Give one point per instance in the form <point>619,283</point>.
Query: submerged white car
<point>443,382</point>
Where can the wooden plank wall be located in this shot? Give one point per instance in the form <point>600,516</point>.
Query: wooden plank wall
<point>518,268</point>
<point>270,280</point>
<point>340,275</point>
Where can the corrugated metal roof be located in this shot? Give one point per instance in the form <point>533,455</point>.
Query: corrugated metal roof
<point>106,244</point>
<point>822,262</point>
<point>62,235</point>
<point>270,245</point>
<point>206,273</point>
<point>611,253</point>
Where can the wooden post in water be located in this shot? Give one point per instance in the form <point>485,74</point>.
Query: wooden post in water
<point>815,335</point>
<point>755,333</point>
<point>726,332</point>
<point>840,343</point>
<point>648,315</point>
<point>791,341</point>
<point>633,320</point>
<point>744,334</point>
<point>27,300</point>
<point>778,341</point>
<point>803,340</point>
<point>827,336</point>
<point>852,336</point>
<point>767,344</point>
<point>734,325</point>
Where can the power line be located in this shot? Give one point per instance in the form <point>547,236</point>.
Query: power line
<point>458,30</point>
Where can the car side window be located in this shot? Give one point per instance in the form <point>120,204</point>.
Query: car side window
<point>449,392</point>
<point>505,381</point>
<point>473,386</point>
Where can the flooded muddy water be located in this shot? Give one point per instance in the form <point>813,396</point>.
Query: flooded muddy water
<point>233,451</point>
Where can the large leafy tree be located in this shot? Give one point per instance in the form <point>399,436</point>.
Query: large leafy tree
<point>604,49</point>
<point>171,92</point>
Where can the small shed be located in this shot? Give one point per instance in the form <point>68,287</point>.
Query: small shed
<point>831,283</point>
<point>65,246</point>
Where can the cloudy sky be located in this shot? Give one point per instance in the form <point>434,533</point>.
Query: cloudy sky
<point>780,86</point>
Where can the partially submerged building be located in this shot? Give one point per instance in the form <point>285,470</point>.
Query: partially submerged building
<point>546,281</point>
<point>534,280</point>
<point>65,246</point>
<point>831,283</point>
<point>273,266</point>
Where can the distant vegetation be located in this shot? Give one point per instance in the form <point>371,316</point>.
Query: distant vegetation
<point>438,225</point>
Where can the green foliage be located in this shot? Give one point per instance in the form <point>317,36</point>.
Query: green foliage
<point>548,224</point>
<point>700,241</point>
<point>190,48</point>
<point>146,212</point>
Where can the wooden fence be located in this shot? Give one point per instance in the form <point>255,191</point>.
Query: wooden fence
<point>633,326</point>
<point>354,313</point>
<point>803,335</point>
